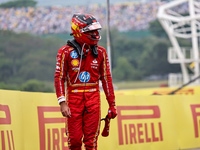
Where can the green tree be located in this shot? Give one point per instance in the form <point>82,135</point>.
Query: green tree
<point>156,29</point>
<point>24,57</point>
<point>154,61</point>
<point>126,47</point>
<point>35,86</point>
<point>19,3</point>
<point>124,70</point>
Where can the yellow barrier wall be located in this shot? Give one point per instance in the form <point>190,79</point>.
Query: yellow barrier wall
<point>195,90</point>
<point>32,121</point>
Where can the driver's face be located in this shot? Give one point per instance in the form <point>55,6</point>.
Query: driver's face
<point>93,32</point>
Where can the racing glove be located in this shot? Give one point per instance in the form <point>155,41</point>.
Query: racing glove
<point>112,113</point>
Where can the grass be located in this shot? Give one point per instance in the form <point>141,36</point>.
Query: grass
<point>140,84</point>
<point>128,84</point>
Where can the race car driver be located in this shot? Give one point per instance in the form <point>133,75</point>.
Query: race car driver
<point>82,63</point>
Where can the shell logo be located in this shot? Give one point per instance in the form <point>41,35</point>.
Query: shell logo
<point>75,62</point>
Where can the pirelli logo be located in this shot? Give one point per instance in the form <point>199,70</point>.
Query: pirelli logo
<point>139,124</point>
<point>7,141</point>
<point>196,119</point>
<point>51,131</point>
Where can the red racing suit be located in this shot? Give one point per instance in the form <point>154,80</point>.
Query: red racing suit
<point>82,94</point>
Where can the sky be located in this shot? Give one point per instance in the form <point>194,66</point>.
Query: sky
<point>77,2</point>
